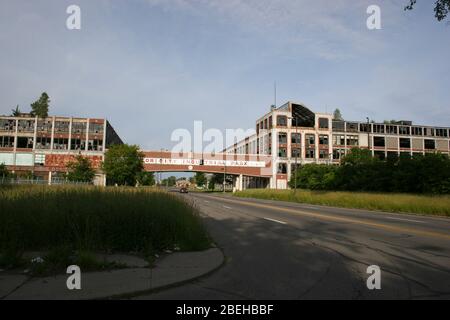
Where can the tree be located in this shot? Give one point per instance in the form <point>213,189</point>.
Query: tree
<point>80,170</point>
<point>337,115</point>
<point>200,179</point>
<point>217,178</point>
<point>123,164</point>
<point>146,178</point>
<point>169,182</point>
<point>441,9</point>
<point>315,177</point>
<point>39,108</point>
<point>16,112</point>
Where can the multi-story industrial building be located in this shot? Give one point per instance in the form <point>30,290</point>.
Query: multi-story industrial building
<point>294,135</point>
<point>44,147</point>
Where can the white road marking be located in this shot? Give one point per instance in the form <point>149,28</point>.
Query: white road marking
<point>206,201</point>
<point>401,219</point>
<point>227,207</point>
<point>273,220</point>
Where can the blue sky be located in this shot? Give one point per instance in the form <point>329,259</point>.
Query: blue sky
<point>152,66</point>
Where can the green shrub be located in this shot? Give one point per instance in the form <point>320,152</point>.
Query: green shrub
<point>68,219</point>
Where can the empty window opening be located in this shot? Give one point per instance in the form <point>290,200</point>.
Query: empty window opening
<point>6,142</point>
<point>405,143</point>
<point>430,144</point>
<point>324,123</point>
<point>25,142</point>
<point>379,141</point>
<point>282,168</point>
<point>43,143</point>
<point>323,139</point>
<point>60,143</point>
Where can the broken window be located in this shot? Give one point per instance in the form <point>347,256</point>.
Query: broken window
<point>441,133</point>
<point>282,137</point>
<point>405,143</point>
<point>416,131</point>
<point>391,129</point>
<point>365,127</point>
<point>25,142</point>
<point>338,153</point>
<point>282,152</point>
<point>44,126</point>
<point>282,121</point>
<point>324,123</point>
<point>43,143</point>
<point>282,168</point>
<point>78,144</point>
<point>79,127</point>
<point>323,139</point>
<point>403,130</point>
<point>429,144</point>
<point>310,153</point>
<point>6,142</point>
<point>26,126</point>
<point>379,141</point>
<point>323,154</point>
<point>62,126</point>
<point>352,140</point>
<point>428,132</point>
<point>7,125</point>
<point>296,138</point>
<point>60,143</point>
<point>338,140</point>
<point>39,159</point>
<point>97,145</point>
<point>352,127</point>
<point>310,139</point>
<point>378,128</point>
<point>338,125</point>
<point>296,153</point>
<point>95,128</point>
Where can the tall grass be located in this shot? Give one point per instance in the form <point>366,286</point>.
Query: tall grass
<point>90,218</point>
<point>390,202</point>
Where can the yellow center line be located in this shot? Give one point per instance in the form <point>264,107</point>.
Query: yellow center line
<point>339,219</point>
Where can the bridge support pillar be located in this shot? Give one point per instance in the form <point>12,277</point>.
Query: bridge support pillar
<point>238,183</point>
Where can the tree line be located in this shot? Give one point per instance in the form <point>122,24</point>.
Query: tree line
<point>360,171</point>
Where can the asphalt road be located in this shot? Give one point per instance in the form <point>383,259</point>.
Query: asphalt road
<point>279,250</point>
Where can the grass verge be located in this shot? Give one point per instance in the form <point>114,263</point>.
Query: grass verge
<point>69,223</point>
<point>402,203</point>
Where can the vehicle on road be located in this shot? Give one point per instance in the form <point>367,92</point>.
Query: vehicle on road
<point>183,190</point>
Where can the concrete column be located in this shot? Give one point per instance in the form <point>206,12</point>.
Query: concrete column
<point>241,183</point>
<point>49,178</point>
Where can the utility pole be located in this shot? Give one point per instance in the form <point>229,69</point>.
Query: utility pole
<point>295,170</point>
<point>368,134</point>
<point>224,172</point>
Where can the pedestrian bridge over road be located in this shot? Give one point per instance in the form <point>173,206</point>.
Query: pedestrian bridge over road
<point>247,170</point>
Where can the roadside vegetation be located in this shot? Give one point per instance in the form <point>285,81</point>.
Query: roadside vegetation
<point>389,202</point>
<point>359,171</point>
<point>69,224</point>
<point>420,184</point>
